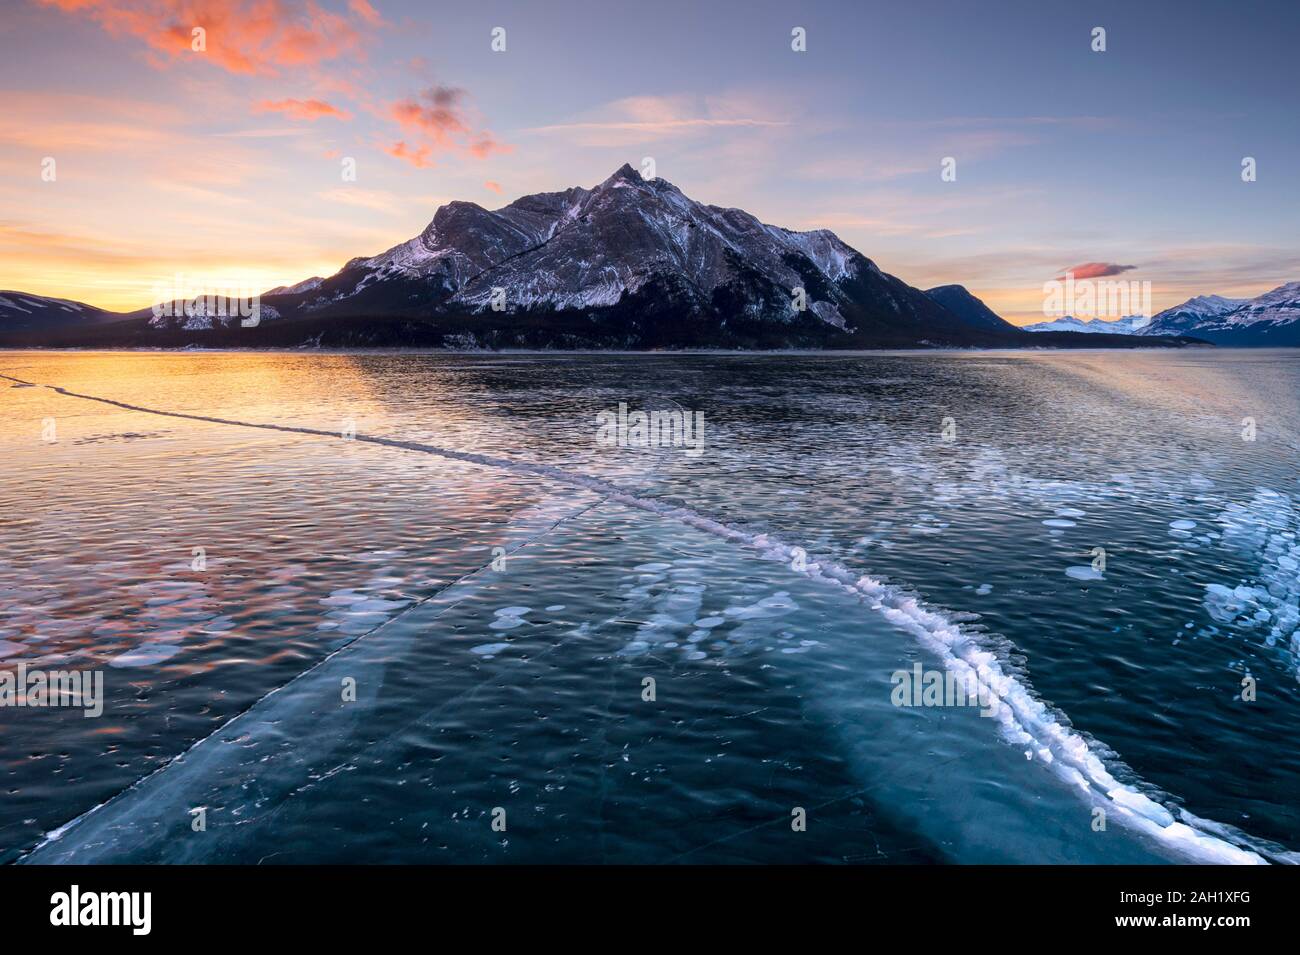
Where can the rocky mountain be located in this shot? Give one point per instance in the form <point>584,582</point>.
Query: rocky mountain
<point>207,314</point>
<point>627,264</point>
<point>1128,325</point>
<point>959,301</point>
<point>1271,319</point>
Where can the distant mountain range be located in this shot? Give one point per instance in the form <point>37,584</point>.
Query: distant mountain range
<point>1128,325</point>
<point>628,264</point>
<point>1271,319</point>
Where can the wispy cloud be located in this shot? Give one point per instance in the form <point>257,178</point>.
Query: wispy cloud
<point>304,109</point>
<point>377,199</point>
<point>63,121</point>
<point>280,133</point>
<point>640,118</point>
<point>366,12</point>
<point>657,126</point>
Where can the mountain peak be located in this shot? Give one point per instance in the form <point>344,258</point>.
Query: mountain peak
<point>1287,291</point>
<point>624,173</point>
<point>959,300</point>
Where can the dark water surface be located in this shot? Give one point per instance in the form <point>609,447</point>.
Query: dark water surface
<point>518,689</point>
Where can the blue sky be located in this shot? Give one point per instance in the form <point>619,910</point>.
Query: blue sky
<point>227,161</point>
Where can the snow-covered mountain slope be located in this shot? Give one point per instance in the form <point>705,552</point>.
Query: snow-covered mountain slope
<point>306,285</point>
<point>1281,306</point>
<point>22,311</point>
<point>587,248</point>
<point>1269,319</point>
<point>634,253</point>
<point>1128,325</point>
<point>1181,319</point>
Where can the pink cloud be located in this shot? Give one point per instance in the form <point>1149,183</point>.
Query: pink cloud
<point>1096,270</point>
<point>494,186</point>
<point>485,144</point>
<point>366,12</point>
<point>304,109</point>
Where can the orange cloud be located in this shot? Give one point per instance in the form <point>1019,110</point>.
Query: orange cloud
<point>304,109</point>
<point>436,114</point>
<point>494,186</point>
<point>241,36</point>
<point>416,156</point>
<point>439,117</point>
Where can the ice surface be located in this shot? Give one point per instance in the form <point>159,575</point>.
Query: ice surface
<point>1084,572</point>
<point>1023,719</point>
<point>1266,530</point>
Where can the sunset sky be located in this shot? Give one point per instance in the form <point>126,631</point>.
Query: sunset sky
<point>225,165</point>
